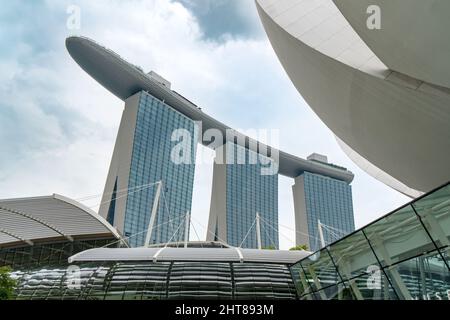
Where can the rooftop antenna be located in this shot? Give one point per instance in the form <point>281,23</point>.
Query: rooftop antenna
<point>186,229</point>
<point>153,216</point>
<point>258,231</point>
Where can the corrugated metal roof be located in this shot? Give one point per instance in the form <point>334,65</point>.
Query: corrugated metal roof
<point>33,219</point>
<point>189,254</point>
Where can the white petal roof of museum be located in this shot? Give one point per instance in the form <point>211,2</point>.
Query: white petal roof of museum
<point>395,121</point>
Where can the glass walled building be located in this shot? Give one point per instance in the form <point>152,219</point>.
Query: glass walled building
<point>403,255</point>
<point>143,157</point>
<point>320,198</point>
<point>201,271</point>
<point>247,192</point>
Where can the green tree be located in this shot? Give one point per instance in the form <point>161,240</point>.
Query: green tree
<point>269,248</point>
<point>7,284</point>
<point>299,247</point>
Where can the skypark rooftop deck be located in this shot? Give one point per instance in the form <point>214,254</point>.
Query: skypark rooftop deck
<point>124,80</point>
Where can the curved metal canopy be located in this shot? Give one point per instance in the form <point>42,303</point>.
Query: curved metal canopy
<point>30,220</point>
<point>169,254</point>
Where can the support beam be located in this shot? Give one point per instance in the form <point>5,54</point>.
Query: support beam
<point>345,269</point>
<point>155,257</point>
<point>396,278</point>
<point>186,229</point>
<point>305,284</point>
<point>436,228</point>
<point>322,239</point>
<point>241,256</point>
<point>153,215</point>
<point>316,280</point>
<point>16,237</point>
<point>258,231</point>
<point>40,221</point>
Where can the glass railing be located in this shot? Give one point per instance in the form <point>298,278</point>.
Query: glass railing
<point>403,255</point>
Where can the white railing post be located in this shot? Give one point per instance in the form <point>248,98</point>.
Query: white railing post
<point>186,229</point>
<point>153,215</point>
<point>258,231</point>
<point>322,239</point>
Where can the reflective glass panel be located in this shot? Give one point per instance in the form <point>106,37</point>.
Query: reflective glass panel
<point>320,270</point>
<point>373,286</point>
<point>353,256</point>
<point>398,237</point>
<point>300,280</point>
<point>421,278</point>
<point>334,292</point>
<point>434,209</point>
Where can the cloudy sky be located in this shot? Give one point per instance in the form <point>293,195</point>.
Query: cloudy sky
<point>58,126</point>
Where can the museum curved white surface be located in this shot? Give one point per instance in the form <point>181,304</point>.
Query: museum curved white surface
<point>401,125</point>
<point>411,38</point>
<point>377,173</point>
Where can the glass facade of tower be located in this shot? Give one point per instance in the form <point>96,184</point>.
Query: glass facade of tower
<point>329,201</point>
<point>248,192</point>
<point>152,162</point>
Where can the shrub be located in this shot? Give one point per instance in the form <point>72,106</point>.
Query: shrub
<point>7,284</point>
<point>299,247</point>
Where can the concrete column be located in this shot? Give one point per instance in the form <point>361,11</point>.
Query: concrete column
<point>120,164</point>
<point>301,221</point>
<point>217,222</point>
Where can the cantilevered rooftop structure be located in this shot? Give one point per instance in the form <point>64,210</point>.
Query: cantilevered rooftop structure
<point>142,157</point>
